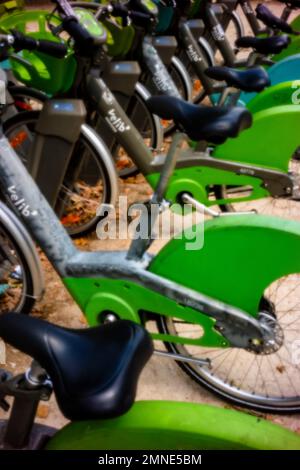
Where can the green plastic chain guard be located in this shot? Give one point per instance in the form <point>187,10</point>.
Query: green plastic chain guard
<point>238,252</point>
<point>269,143</point>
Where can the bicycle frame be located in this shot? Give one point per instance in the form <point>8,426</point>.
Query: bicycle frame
<point>287,62</point>
<point>252,19</point>
<point>69,262</point>
<point>265,178</point>
<point>282,71</point>
<point>81,271</point>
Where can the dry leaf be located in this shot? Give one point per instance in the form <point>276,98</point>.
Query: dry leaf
<point>43,410</point>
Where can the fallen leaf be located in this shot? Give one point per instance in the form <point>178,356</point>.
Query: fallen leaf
<point>43,410</point>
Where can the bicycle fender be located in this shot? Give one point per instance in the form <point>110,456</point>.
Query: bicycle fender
<point>175,425</point>
<point>241,256</point>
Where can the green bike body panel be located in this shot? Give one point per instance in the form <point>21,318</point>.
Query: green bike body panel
<point>35,69</point>
<point>151,6</point>
<point>127,299</point>
<point>296,23</point>
<point>10,6</point>
<point>94,27</point>
<point>285,93</point>
<point>228,267</point>
<point>265,145</point>
<point>174,425</point>
<point>198,180</point>
<point>270,142</point>
<point>120,38</point>
<point>292,49</point>
<point>237,245</point>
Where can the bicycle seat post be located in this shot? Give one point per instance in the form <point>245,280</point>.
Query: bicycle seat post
<point>229,97</point>
<point>140,245</point>
<point>27,390</point>
<point>168,168</point>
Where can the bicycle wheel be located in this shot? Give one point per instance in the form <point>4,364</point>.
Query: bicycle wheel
<point>26,98</point>
<point>268,380</point>
<point>86,185</point>
<point>17,291</point>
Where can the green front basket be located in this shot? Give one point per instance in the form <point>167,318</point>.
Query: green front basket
<point>34,69</point>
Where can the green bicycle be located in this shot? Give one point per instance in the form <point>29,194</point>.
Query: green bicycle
<point>97,396</point>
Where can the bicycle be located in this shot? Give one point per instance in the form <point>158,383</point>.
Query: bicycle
<point>86,173</point>
<point>111,285</point>
<point>122,79</point>
<point>99,400</point>
<point>162,71</point>
<point>282,67</point>
<point>198,173</point>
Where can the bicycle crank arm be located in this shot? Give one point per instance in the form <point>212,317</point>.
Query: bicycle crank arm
<point>198,206</point>
<point>182,358</point>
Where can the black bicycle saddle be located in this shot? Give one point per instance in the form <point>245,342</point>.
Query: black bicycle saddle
<point>272,21</point>
<point>255,79</point>
<point>94,371</point>
<point>213,124</point>
<point>266,46</point>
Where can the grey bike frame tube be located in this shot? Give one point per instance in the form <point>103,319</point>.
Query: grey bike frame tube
<point>195,55</point>
<point>37,215</point>
<point>117,120</point>
<point>219,36</point>
<point>251,18</point>
<point>24,195</point>
<point>158,71</point>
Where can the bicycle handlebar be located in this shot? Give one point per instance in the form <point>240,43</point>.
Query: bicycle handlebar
<point>122,11</point>
<point>83,39</point>
<point>20,41</point>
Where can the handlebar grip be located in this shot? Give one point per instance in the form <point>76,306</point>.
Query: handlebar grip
<point>55,49</point>
<point>21,41</point>
<point>81,36</point>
